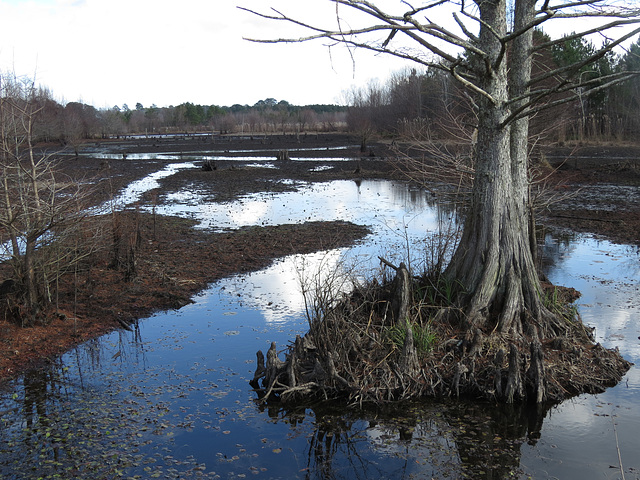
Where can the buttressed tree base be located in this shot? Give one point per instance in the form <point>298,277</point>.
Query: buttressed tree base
<point>496,335</point>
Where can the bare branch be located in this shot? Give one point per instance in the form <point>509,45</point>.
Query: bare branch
<point>407,24</point>
<point>526,110</point>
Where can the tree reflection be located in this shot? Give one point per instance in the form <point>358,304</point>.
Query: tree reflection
<point>39,385</point>
<point>42,389</point>
<point>424,440</point>
<point>489,439</point>
<point>58,422</point>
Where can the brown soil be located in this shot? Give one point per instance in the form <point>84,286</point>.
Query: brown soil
<point>175,261</point>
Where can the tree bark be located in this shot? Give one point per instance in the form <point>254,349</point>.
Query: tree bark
<point>514,390</point>
<point>494,263</point>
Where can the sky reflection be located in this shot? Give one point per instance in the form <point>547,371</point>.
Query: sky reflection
<point>172,397</point>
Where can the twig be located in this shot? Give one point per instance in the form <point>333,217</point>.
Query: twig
<point>388,263</point>
<point>615,432</point>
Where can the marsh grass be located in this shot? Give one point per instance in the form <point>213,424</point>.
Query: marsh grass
<point>424,337</point>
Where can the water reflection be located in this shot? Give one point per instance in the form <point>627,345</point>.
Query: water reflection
<point>130,427</point>
<point>218,155</point>
<point>403,219</point>
<point>276,292</point>
<point>171,398</point>
<point>608,277</point>
<point>134,191</point>
<point>372,201</point>
<point>418,440</point>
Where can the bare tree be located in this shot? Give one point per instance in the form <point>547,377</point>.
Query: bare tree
<point>40,213</point>
<point>487,46</point>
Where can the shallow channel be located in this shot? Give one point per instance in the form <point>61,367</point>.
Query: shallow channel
<point>172,399</point>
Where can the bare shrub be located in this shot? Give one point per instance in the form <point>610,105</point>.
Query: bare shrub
<point>43,232</point>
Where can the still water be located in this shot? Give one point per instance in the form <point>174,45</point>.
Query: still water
<point>172,399</point>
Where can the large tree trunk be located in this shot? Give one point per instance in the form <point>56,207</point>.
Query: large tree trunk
<point>493,264</point>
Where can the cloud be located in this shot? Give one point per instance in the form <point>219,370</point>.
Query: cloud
<point>168,52</point>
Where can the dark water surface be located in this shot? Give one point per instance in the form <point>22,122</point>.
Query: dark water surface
<point>172,399</point>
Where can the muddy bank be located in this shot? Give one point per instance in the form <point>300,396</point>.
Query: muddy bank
<point>594,189</point>
<point>173,263</point>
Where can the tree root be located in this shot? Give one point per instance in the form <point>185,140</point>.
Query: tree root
<point>352,354</point>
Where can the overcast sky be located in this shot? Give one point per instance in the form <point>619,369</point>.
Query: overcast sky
<point>166,52</point>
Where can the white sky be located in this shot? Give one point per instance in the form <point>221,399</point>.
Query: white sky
<point>166,52</point>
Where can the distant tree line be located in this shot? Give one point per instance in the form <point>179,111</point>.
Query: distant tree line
<point>417,103</point>
<point>75,122</point>
<point>431,103</point>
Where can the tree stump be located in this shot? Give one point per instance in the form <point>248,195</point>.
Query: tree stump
<point>400,305</point>
<point>409,363</point>
<point>402,294</point>
<point>274,367</point>
<point>283,155</point>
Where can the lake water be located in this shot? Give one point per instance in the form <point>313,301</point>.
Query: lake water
<point>172,399</point>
